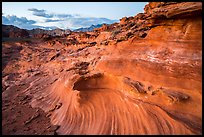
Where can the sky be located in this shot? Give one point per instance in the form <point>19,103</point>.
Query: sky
<point>66,15</point>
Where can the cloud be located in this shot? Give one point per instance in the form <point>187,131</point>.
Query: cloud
<point>43,13</point>
<point>22,22</point>
<point>54,20</point>
<point>15,19</point>
<point>64,15</point>
<point>68,21</point>
<point>40,13</point>
<point>87,22</point>
<point>75,23</point>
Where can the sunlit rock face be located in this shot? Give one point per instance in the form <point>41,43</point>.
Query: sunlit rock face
<point>143,78</point>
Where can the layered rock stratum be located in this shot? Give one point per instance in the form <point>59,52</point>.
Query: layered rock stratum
<point>139,76</point>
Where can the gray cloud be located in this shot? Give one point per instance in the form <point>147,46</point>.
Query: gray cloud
<point>63,15</point>
<point>22,22</point>
<point>36,10</point>
<point>17,20</point>
<point>52,20</point>
<point>43,13</point>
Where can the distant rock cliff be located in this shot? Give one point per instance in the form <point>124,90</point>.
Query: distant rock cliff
<point>14,32</point>
<point>54,32</point>
<point>91,28</point>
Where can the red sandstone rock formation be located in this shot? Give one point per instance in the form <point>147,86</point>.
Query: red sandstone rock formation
<point>139,76</point>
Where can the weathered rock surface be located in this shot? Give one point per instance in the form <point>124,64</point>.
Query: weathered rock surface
<point>14,32</point>
<point>55,32</point>
<point>11,31</point>
<point>139,76</point>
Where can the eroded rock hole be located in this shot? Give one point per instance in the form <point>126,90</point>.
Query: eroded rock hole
<point>87,83</point>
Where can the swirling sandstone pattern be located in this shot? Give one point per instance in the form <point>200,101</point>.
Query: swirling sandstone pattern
<point>146,85</point>
<point>105,104</point>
